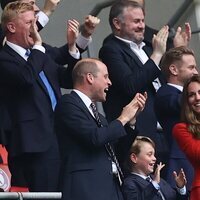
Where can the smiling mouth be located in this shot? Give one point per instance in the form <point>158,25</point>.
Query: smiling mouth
<point>151,164</point>
<point>106,90</point>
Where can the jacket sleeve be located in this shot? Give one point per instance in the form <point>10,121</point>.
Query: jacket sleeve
<point>189,145</point>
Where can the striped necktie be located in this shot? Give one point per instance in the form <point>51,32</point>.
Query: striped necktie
<point>108,146</point>
<point>149,179</point>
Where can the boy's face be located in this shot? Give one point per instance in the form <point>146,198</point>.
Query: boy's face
<point>145,160</point>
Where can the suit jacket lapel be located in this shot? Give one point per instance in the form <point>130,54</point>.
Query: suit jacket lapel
<point>14,54</point>
<point>21,60</point>
<point>128,50</point>
<point>147,50</point>
<point>81,104</point>
<point>85,109</point>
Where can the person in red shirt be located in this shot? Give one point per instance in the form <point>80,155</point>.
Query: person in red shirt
<point>187,133</point>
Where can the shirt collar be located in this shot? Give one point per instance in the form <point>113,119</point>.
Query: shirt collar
<point>142,176</point>
<point>179,87</point>
<point>132,44</point>
<point>20,50</point>
<point>86,100</point>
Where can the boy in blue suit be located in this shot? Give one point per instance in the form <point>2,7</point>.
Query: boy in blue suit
<point>139,184</point>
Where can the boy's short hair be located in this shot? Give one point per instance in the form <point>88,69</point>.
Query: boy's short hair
<point>136,149</point>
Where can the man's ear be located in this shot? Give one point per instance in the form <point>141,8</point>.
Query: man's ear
<point>173,69</point>
<point>116,23</point>
<point>133,158</point>
<point>11,27</point>
<point>90,78</point>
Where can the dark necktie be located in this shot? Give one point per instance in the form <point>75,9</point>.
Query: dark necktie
<point>149,179</point>
<point>108,146</point>
<point>46,83</point>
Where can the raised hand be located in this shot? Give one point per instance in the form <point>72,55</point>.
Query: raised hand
<point>182,38</point>
<point>159,43</point>
<point>89,25</point>
<point>34,33</point>
<point>180,178</point>
<point>157,172</point>
<point>50,6</point>
<point>131,110</point>
<point>72,34</point>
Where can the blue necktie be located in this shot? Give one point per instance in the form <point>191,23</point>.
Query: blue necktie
<point>49,89</point>
<point>47,84</point>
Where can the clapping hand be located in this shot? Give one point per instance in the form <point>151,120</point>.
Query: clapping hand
<point>180,178</point>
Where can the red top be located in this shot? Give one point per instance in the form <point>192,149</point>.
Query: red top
<point>191,147</point>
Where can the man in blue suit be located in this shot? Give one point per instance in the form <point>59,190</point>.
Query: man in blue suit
<point>89,167</point>
<point>131,68</point>
<point>178,65</point>
<point>57,55</point>
<point>134,67</point>
<point>145,184</point>
<point>30,81</point>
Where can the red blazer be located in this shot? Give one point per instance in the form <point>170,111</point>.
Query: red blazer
<point>191,147</point>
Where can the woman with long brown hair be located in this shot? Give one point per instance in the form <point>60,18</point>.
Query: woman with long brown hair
<point>187,133</point>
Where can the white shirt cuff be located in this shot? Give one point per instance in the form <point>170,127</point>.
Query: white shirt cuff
<point>43,19</point>
<point>182,190</point>
<point>39,47</point>
<point>83,42</point>
<point>76,55</point>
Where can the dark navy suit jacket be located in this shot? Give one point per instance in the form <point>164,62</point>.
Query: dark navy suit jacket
<point>26,97</point>
<point>129,76</point>
<point>86,170</point>
<point>167,108</point>
<point>137,188</point>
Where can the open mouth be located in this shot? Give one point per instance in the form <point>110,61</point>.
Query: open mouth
<point>106,90</point>
<point>151,164</point>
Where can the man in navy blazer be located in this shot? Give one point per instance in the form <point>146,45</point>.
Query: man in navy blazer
<point>133,67</point>
<point>130,71</point>
<point>89,170</point>
<point>178,65</point>
<point>30,81</point>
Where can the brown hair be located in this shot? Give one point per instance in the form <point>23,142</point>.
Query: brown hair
<point>136,149</point>
<point>188,116</point>
<point>173,56</point>
<point>12,10</point>
<point>117,10</point>
<point>82,67</point>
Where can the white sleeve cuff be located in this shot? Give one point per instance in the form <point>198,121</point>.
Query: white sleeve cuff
<point>83,42</point>
<point>181,191</point>
<point>43,19</point>
<point>75,55</point>
<point>39,47</point>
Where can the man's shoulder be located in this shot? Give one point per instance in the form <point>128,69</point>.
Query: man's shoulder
<point>71,96</point>
<point>133,178</point>
<point>166,89</point>
<point>112,41</point>
<point>7,53</point>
